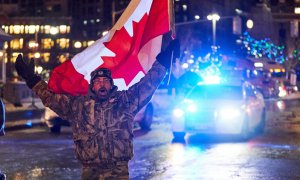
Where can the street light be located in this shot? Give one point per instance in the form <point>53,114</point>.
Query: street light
<point>214,18</point>
<point>250,24</point>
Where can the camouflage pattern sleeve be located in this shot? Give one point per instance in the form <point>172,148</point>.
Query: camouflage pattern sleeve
<point>59,103</point>
<point>141,93</point>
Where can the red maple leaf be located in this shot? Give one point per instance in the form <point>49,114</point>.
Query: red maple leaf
<point>126,63</point>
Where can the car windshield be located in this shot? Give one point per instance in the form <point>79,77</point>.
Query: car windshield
<point>216,92</point>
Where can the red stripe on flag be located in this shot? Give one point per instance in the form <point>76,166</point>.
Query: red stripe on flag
<point>158,21</point>
<point>65,79</point>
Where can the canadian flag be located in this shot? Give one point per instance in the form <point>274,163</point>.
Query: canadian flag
<point>129,49</point>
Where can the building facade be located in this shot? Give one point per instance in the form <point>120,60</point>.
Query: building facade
<point>286,18</point>
<point>40,30</point>
<point>52,31</point>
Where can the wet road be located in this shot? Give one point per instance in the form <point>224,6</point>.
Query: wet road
<point>36,154</point>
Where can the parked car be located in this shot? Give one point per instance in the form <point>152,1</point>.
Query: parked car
<point>23,109</point>
<point>54,122</point>
<point>226,108</point>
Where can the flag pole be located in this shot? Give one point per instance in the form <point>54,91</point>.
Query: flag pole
<point>172,18</point>
<point>173,33</point>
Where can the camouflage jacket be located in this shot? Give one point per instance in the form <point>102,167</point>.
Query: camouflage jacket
<point>102,133</point>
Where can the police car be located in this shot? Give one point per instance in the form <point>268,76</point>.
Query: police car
<point>220,108</point>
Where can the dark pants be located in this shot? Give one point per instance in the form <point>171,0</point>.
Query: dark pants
<point>106,172</point>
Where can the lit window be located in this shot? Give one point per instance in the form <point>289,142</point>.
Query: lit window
<point>63,43</point>
<point>62,58</point>
<point>68,29</point>
<point>63,29</point>
<point>37,55</point>
<point>42,29</point>
<point>17,29</point>
<point>47,43</point>
<point>5,45</point>
<point>33,44</point>
<point>53,30</point>
<point>297,10</point>
<point>31,55</point>
<point>31,29</point>
<point>46,57</point>
<point>77,44</point>
<point>22,27</point>
<point>11,29</point>
<point>16,44</point>
<point>14,56</point>
<point>6,29</point>
<point>37,28</point>
<point>197,17</point>
<point>26,29</point>
<point>85,22</point>
<point>47,29</point>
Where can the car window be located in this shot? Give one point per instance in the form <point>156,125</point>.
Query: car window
<point>216,92</point>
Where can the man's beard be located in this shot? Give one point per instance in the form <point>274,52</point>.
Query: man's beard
<point>102,94</point>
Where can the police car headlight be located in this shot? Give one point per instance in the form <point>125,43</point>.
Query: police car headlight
<point>295,88</point>
<point>192,108</point>
<point>177,112</point>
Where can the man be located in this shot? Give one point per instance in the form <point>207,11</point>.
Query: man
<point>102,121</point>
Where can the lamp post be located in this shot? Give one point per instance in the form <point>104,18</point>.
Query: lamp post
<point>214,18</point>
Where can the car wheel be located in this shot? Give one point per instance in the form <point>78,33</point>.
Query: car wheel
<point>55,124</point>
<point>146,121</point>
<point>178,137</point>
<point>55,129</point>
<point>261,126</point>
<point>245,133</point>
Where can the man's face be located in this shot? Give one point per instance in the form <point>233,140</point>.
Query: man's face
<point>101,87</point>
